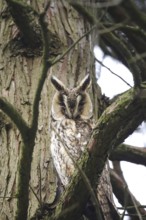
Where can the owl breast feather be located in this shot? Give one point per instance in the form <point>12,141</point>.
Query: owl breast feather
<point>69,140</point>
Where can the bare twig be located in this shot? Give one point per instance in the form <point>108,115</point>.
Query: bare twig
<point>101,63</point>
<point>73,45</point>
<point>102,31</point>
<point>136,207</point>
<point>125,203</point>
<point>43,75</point>
<point>131,207</point>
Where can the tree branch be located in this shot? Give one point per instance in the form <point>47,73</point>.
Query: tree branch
<point>15,116</point>
<point>129,153</point>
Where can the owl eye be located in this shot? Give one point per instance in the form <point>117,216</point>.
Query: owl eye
<point>82,101</point>
<point>61,100</point>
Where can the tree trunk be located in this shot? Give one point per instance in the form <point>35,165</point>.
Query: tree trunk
<point>19,77</point>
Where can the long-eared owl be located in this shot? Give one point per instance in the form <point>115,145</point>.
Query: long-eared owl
<point>71,127</point>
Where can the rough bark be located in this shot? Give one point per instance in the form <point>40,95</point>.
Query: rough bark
<point>20,73</point>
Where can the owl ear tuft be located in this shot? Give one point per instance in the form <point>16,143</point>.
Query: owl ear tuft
<point>85,83</point>
<point>57,83</point>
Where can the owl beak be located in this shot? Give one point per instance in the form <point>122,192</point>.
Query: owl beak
<point>72,112</point>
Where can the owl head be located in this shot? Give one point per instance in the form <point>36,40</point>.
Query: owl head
<point>71,103</point>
